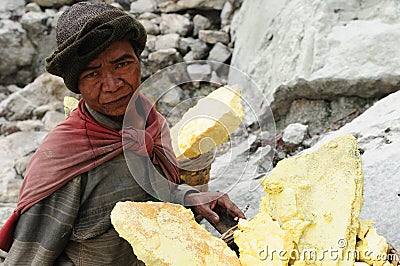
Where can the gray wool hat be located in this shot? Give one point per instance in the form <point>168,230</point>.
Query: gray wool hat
<point>84,31</point>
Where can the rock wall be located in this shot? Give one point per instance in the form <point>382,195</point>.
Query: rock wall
<point>316,61</point>
<point>177,31</point>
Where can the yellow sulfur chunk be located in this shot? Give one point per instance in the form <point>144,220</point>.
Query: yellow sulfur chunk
<point>331,201</point>
<point>167,234</point>
<point>70,103</point>
<point>365,225</point>
<point>208,124</point>
<point>373,248</point>
<point>261,241</point>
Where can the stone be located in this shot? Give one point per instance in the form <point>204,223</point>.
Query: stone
<point>328,53</point>
<point>198,72</point>
<point>10,127</point>
<point>294,133</point>
<point>40,111</point>
<point>175,23</point>
<point>141,6</point>
<point>166,41</point>
<point>173,96</point>
<point>151,42</point>
<point>200,23</point>
<point>220,53</point>
<point>34,7</point>
<point>53,3</point>
<point>12,148</point>
<point>226,13</point>
<point>14,42</point>
<point>51,119</point>
<point>213,36</point>
<point>22,163</point>
<point>9,8</point>
<point>151,27</point>
<point>45,89</point>
<point>165,57</point>
<point>199,49</point>
<point>173,6</point>
<point>184,44</point>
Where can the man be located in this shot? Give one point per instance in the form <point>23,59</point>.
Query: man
<point>79,171</point>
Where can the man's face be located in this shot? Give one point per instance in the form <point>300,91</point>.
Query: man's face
<point>110,80</point>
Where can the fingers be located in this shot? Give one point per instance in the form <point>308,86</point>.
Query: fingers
<point>230,206</point>
<point>207,213</point>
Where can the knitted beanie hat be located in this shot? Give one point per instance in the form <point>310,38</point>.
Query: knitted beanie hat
<point>83,32</point>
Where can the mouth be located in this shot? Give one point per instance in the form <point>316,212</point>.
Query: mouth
<point>118,101</point>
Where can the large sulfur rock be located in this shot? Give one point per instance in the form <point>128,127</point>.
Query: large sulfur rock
<point>378,135</point>
<point>167,234</point>
<point>316,198</point>
<point>208,124</point>
<point>318,49</point>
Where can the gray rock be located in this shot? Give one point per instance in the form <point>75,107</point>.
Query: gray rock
<point>40,111</point>
<point>213,36</point>
<point>55,3</point>
<point>151,42</point>
<point>151,27</point>
<point>6,210</point>
<point>173,6</point>
<point>34,7</point>
<point>342,48</point>
<point>14,43</point>
<point>10,8</point>
<point>175,23</point>
<point>51,119</point>
<point>184,44</point>
<point>314,113</point>
<point>200,23</point>
<point>12,148</point>
<point>226,13</point>
<point>148,16</point>
<point>155,86</point>
<point>166,41</point>
<point>173,96</point>
<point>189,57</point>
<point>199,72</point>
<point>9,127</point>
<point>294,133</point>
<point>45,89</point>
<point>165,57</point>
<point>220,53</point>
<point>38,26</point>
<point>141,6</point>
<point>199,49</point>
<point>22,163</point>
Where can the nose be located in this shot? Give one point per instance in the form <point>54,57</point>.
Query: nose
<point>111,82</point>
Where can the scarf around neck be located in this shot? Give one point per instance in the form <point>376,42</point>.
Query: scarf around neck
<point>79,144</point>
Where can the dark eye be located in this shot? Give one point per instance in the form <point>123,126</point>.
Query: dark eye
<point>91,74</point>
<point>123,64</point>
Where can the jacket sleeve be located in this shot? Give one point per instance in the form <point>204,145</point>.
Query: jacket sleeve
<point>44,230</point>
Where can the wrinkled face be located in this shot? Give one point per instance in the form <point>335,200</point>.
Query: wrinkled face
<point>110,80</point>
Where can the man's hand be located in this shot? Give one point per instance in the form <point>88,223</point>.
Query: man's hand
<point>205,202</point>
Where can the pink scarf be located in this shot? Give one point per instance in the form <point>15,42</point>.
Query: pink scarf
<point>80,144</point>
